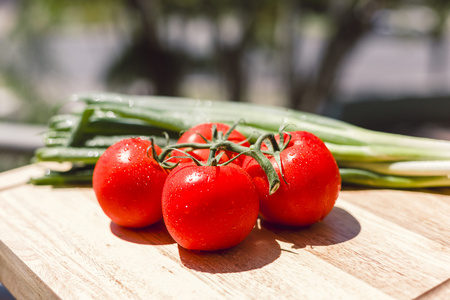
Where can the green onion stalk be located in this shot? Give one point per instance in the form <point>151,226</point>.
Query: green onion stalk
<point>365,157</point>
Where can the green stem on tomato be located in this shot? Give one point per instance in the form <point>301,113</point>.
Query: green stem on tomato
<point>214,146</point>
<point>255,152</point>
<point>263,161</point>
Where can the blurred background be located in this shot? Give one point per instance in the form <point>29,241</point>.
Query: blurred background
<point>382,65</point>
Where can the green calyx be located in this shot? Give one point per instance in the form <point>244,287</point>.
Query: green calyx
<point>217,145</point>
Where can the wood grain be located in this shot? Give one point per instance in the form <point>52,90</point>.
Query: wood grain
<point>375,244</point>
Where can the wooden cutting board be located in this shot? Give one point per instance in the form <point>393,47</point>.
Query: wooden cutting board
<point>375,244</point>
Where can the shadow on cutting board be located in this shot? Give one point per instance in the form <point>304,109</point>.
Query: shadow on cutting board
<point>256,251</point>
<point>261,247</point>
<point>5,294</point>
<point>338,227</point>
<point>155,234</point>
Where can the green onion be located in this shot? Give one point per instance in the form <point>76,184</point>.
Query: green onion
<point>365,157</point>
<point>372,179</point>
<point>75,176</point>
<point>69,154</point>
<point>404,168</point>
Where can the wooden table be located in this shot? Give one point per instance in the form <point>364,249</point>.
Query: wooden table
<point>375,244</point>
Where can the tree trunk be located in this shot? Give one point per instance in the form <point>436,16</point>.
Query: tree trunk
<point>161,65</point>
<point>232,60</point>
<point>351,26</point>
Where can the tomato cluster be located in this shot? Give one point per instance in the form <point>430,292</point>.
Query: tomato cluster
<point>212,199</point>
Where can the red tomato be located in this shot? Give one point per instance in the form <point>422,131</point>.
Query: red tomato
<point>197,134</point>
<point>128,183</point>
<point>313,182</point>
<point>209,207</point>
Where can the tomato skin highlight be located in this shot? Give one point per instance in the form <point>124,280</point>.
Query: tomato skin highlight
<point>195,134</point>
<point>128,184</point>
<point>209,207</point>
<point>313,180</point>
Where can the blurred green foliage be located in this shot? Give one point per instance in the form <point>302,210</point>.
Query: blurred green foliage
<point>160,60</point>
<point>237,30</point>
